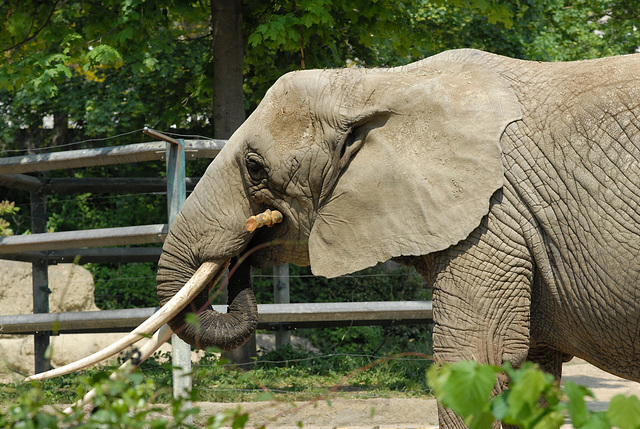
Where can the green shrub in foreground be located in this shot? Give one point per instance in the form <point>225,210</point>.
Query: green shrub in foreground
<point>465,387</point>
<point>128,401</point>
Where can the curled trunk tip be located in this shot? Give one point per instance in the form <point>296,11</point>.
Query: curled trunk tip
<point>225,331</point>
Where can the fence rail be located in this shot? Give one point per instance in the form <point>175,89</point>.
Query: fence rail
<point>270,316</point>
<point>141,234</point>
<point>116,185</point>
<point>139,152</point>
<point>104,255</point>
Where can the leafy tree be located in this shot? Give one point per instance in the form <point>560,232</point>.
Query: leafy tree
<point>103,67</point>
<point>99,66</point>
<point>114,65</point>
<point>582,29</point>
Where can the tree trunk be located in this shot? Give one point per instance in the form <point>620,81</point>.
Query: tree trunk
<point>60,129</point>
<point>228,55</point>
<point>228,102</point>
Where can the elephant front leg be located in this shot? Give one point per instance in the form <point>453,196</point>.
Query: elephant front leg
<point>481,296</point>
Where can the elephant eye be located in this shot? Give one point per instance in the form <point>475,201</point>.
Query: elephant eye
<point>255,168</point>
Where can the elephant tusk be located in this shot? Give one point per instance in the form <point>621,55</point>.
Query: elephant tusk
<point>266,218</point>
<point>201,278</point>
<point>161,336</point>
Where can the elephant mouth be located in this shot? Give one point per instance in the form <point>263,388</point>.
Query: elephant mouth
<point>273,245</point>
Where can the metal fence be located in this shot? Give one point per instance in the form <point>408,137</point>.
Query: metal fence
<point>42,248</point>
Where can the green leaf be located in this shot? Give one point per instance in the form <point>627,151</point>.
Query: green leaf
<point>550,420</point>
<point>255,39</point>
<point>597,420</point>
<point>500,407</point>
<point>482,420</point>
<point>576,405</point>
<point>239,420</point>
<point>527,389</point>
<point>624,412</point>
<point>466,387</point>
<point>102,55</point>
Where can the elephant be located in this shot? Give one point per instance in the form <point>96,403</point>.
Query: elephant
<point>512,186</point>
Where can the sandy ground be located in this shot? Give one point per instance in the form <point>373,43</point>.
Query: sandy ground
<point>399,413</point>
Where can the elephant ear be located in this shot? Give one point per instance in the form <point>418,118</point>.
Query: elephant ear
<point>423,176</point>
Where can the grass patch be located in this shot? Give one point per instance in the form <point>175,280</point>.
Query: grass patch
<point>288,374</point>
<point>294,374</point>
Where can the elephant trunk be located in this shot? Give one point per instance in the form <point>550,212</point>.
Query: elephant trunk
<point>225,331</point>
<point>211,227</point>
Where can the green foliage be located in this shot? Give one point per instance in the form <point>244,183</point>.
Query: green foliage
<point>125,401</point>
<point>101,210</point>
<point>379,283</point>
<point>466,389</point>
<point>143,399</point>
<point>573,30</point>
<point>7,208</point>
<point>293,373</point>
<point>285,375</point>
<point>105,65</point>
<point>124,285</point>
<point>494,11</point>
<point>116,65</point>
<point>534,399</point>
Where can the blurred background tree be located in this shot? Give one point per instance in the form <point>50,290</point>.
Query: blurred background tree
<point>100,68</point>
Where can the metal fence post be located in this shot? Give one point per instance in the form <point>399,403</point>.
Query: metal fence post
<point>281,296</point>
<point>176,195</point>
<point>40,282</point>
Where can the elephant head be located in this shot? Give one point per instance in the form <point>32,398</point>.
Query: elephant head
<point>365,165</point>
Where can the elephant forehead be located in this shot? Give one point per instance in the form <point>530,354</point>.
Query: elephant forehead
<point>304,107</point>
<point>283,123</point>
<point>281,133</point>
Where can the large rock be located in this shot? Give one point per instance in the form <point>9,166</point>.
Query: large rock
<point>71,290</point>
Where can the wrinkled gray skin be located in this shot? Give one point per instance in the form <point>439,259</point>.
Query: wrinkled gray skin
<point>513,187</point>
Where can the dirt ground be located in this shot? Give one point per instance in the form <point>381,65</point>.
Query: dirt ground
<point>383,413</point>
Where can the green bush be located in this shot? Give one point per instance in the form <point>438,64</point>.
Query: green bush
<point>124,285</point>
<point>534,399</point>
<point>127,401</point>
<point>7,208</point>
